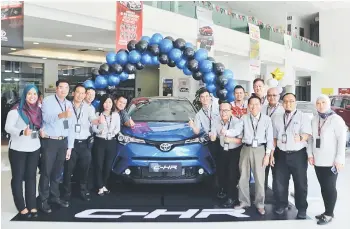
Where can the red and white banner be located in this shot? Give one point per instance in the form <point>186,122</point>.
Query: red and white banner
<point>128,22</point>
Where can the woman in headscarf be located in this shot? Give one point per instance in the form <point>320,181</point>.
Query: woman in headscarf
<point>326,152</point>
<point>23,124</point>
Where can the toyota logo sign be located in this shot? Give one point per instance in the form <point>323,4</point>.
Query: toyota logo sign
<point>165,146</point>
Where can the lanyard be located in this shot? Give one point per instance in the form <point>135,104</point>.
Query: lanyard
<point>256,127</point>
<point>284,121</point>
<point>319,126</point>
<point>273,111</point>
<point>263,100</point>
<point>60,104</point>
<point>75,112</point>
<point>110,122</point>
<point>209,117</point>
<point>229,123</point>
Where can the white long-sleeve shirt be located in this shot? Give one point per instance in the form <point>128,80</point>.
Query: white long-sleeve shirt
<point>14,125</point>
<point>110,126</point>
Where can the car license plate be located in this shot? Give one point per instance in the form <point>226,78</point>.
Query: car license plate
<point>164,167</point>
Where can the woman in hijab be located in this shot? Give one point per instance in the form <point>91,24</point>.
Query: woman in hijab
<point>23,123</point>
<point>326,152</point>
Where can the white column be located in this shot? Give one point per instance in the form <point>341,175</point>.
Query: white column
<point>50,74</point>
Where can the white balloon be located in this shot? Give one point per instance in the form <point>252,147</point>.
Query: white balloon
<point>280,89</point>
<point>272,82</point>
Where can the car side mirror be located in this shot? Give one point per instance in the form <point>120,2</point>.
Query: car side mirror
<point>347,107</point>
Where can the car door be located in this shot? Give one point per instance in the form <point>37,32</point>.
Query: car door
<point>344,110</point>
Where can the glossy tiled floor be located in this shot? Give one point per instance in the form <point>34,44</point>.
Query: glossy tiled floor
<point>342,220</point>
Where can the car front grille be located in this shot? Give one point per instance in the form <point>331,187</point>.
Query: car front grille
<point>144,173</point>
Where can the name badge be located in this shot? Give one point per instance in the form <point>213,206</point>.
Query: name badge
<point>318,143</point>
<point>109,136</point>
<point>255,143</point>
<point>226,147</point>
<point>34,134</point>
<point>284,138</point>
<point>77,128</point>
<point>65,124</point>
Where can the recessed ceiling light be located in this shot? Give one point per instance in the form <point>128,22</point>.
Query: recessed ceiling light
<point>68,35</point>
<point>44,58</point>
<point>13,49</point>
<point>100,48</point>
<point>35,43</point>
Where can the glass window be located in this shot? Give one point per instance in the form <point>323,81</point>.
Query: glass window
<point>161,110</point>
<point>14,77</point>
<point>336,102</point>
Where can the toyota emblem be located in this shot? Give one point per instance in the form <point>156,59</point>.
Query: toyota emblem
<point>165,147</point>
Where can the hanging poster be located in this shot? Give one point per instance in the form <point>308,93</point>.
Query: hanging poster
<point>205,33</point>
<point>344,91</point>
<point>168,87</point>
<point>254,51</point>
<point>12,24</point>
<point>128,22</point>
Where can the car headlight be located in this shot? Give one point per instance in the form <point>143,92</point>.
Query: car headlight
<point>203,139</point>
<point>124,139</point>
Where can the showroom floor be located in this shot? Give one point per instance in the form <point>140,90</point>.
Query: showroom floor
<point>342,219</point>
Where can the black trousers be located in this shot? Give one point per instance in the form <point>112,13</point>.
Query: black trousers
<point>274,183</point>
<point>53,155</point>
<point>23,168</point>
<point>214,148</point>
<point>79,162</point>
<point>228,171</point>
<point>328,182</point>
<point>104,152</point>
<point>291,163</point>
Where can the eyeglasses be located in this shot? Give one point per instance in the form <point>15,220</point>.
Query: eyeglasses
<point>225,111</point>
<point>272,95</point>
<point>289,101</point>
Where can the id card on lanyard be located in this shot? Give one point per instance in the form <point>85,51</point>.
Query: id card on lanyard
<point>255,140</point>
<point>78,126</point>
<point>209,116</point>
<point>318,139</point>
<point>65,122</point>
<point>109,134</point>
<point>284,136</point>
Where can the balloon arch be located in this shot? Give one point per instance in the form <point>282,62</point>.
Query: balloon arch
<point>157,50</point>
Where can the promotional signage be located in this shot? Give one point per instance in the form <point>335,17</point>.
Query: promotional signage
<point>205,33</point>
<point>12,24</point>
<point>128,22</point>
<point>344,91</point>
<point>254,51</point>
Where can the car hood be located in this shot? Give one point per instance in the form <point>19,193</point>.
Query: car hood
<point>160,131</point>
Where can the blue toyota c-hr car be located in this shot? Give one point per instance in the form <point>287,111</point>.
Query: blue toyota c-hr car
<point>162,148</point>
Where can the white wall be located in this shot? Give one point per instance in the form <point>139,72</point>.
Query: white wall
<point>335,47</point>
<point>299,22</point>
<point>148,81</point>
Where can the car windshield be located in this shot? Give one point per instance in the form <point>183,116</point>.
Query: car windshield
<point>306,107</point>
<point>336,102</point>
<point>161,110</point>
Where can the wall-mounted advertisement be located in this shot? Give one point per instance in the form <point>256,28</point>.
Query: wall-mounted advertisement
<point>184,87</point>
<point>168,85</point>
<point>254,51</point>
<point>12,24</point>
<point>205,33</point>
<point>128,22</point>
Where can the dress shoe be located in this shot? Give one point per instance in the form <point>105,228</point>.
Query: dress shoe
<point>25,216</point>
<point>319,216</point>
<point>34,214</point>
<point>279,211</point>
<point>60,202</point>
<point>261,211</point>
<point>324,220</point>
<point>229,203</point>
<point>45,207</point>
<point>85,196</point>
<point>221,194</point>
<point>301,215</point>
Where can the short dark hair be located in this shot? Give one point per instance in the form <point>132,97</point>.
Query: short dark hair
<point>254,97</point>
<point>203,90</point>
<point>117,97</point>
<point>90,88</point>
<point>289,93</point>
<point>239,87</point>
<point>103,100</point>
<point>223,102</point>
<point>257,80</point>
<point>61,81</point>
<point>79,85</point>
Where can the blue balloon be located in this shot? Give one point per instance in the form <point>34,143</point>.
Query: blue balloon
<point>146,38</point>
<point>189,45</point>
<point>165,46</point>
<point>123,76</point>
<point>228,74</point>
<point>101,82</point>
<point>110,58</point>
<point>187,71</point>
<point>209,78</point>
<point>134,56</point>
<point>121,58</point>
<point>156,38</point>
<point>205,66</point>
<point>175,54</point>
<point>146,58</point>
<point>211,88</point>
<point>230,86</point>
<point>155,60</point>
<point>96,103</point>
<point>181,63</point>
<point>201,54</point>
<point>230,97</point>
<point>89,83</point>
<point>113,80</point>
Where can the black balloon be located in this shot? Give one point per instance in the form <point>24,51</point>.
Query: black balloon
<point>115,68</point>
<point>154,49</point>
<point>221,94</point>
<point>219,68</point>
<point>211,59</point>
<point>221,81</point>
<point>142,46</point>
<point>180,43</point>
<point>197,75</point>
<point>163,59</point>
<point>139,66</point>
<point>170,38</point>
<point>171,63</point>
<point>130,68</point>
<point>94,73</point>
<point>192,65</point>
<point>189,53</point>
<point>132,45</point>
<point>123,50</point>
<point>104,69</point>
